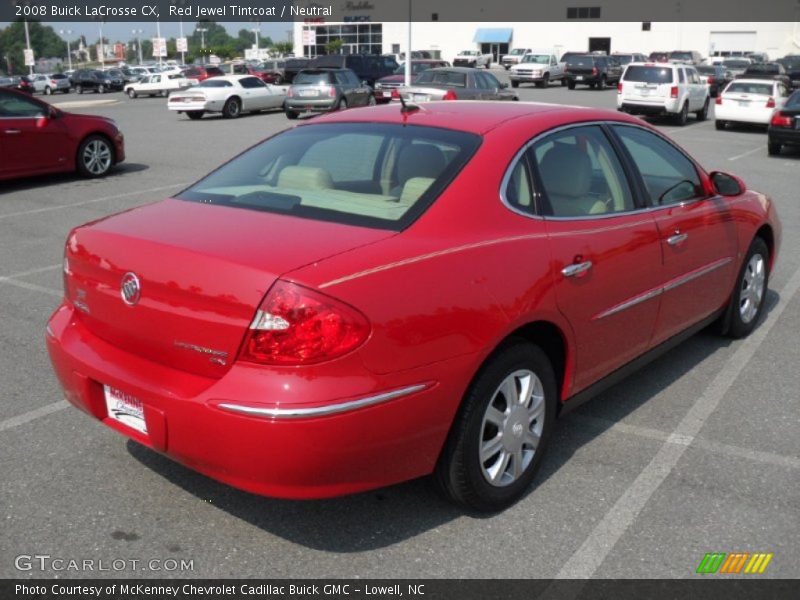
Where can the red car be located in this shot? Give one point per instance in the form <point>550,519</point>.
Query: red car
<point>386,293</point>
<point>199,74</point>
<point>37,138</point>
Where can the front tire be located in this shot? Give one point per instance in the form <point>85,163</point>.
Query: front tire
<point>750,291</point>
<point>232,109</point>
<point>48,91</point>
<point>500,433</point>
<point>95,156</point>
<point>720,125</point>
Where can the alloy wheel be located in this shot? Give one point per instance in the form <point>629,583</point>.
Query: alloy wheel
<point>512,427</point>
<point>752,288</point>
<point>97,157</point>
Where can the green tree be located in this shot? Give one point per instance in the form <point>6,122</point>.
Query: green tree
<point>284,47</point>
<point>334,46</point>
<point>45,43</point>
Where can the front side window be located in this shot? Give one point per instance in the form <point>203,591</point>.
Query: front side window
<point>580,174</point>
<point>669,176</point>
<point>12,106</point>
<point>373,175</point>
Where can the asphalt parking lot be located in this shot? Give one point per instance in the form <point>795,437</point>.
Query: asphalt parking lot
<point>697,453</point>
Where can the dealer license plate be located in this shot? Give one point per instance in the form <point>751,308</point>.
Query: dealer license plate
<point>419,97</point>
<point>579,78</point>
<point>125,408</point>
<point>308,93</point>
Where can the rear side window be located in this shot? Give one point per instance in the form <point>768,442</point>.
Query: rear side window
<point>642,74</point>
<point>372,175</point>
<point>251,82</point>
<point>669,176</point>
<point>580,174</point>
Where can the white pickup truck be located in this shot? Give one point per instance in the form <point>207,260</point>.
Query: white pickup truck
<point>513,57</point>
<point>539,67</point>
<point>160,84</point>
<point>472,58</point>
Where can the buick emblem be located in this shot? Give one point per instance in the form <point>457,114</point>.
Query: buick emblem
<point>130,289</point>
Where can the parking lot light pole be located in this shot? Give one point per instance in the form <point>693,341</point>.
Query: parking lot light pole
<point>202,32</point>
<point>407,81</point>
<point>66,33</point>
<point>137,33</point>
<point>28,45</point>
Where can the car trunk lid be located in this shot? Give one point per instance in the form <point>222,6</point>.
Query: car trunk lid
<point>202,271</point>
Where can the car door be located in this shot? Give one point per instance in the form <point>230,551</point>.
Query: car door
<point>30,140</point>
<point>604,248</point>
<point>697,232</point>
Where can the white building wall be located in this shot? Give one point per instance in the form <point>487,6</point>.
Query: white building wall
<point>776,39</point>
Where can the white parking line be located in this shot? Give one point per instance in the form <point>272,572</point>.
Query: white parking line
<point>13,281</point>
<point>30,272</point>
<point>748,153</point>
<point>33,414</point>
<point>584,563</point>
<point>35,211</point>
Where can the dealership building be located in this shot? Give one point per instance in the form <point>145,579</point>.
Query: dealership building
<point>581,31</point>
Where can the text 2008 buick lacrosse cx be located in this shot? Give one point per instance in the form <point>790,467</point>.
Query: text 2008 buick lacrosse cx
<point>384,293</point>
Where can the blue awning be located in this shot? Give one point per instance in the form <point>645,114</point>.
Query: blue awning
<point>493,36</point>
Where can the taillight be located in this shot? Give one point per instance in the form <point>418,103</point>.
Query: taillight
<point>771,102</point>
<point>710,79</point>
<point>619,88</point>
<point>395,95</point>
<point>290,92</point>
<point>673,92</point>
<point>298,326</point>
<point>450,95</point>
<point>781,120</point>
<point>594,70</point>
<point>332,92</point>
<point>718,101</point>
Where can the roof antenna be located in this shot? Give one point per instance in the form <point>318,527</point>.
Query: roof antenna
<point>407,108</point>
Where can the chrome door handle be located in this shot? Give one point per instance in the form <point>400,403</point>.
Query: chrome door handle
<point>576,269</point>
<point>13,131</point>
<point>677,239</point>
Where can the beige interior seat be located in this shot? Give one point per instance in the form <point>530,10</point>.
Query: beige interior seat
<point>566,172</point>
<point>305,178</point>
<point>418,161</point>
<point>414,188</point>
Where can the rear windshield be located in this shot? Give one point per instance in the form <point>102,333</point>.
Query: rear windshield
<point>214,83</point>
<point>373,175</point>
<point>681,55</point>
<point>581,61</point>
<point>763,69</point>
<point>741,87</point>
<point>793,101</point>
<point>58,76</point>
<point>737,64</point>
<point>313,78</point>
<point>453,78</point>
<point>706,70</point>
<point>643,74</point>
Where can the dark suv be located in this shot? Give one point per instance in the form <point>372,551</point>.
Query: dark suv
<point>97,81</point>
<point>367,67</point>
<point>594,70</point>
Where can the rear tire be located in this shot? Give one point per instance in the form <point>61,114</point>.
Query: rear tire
<point>131,93</point>
<point>702,114</point>
<point>194,115</point>
<point>750,291</point>
<point>602,85</point>
<point>499,436</point>
<point>683,116</point>
<point>571,85</point>
<point>720,125</point>
<point>232,109</point>
<point>79,89</point>
<point>563,82</point>
<point>515,84</point>
<point>101,89</point>
<point>773,148</point>
<point>48,91</point>
<point>342,104</point>
<point>291,115</point>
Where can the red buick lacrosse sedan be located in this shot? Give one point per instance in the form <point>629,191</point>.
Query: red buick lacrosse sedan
<point>382,294</point>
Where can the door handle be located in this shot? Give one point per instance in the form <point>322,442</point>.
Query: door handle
<point>13,131</point>
<point>576,269</point>
<point>677,239</point>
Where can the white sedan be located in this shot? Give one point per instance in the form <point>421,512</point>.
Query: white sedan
<point>230,95</point>
<point>749,101</point>
<point>160,84</point>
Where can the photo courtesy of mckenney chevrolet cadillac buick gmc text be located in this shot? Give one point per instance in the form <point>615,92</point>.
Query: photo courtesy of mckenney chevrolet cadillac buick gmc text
<point>391,292</point>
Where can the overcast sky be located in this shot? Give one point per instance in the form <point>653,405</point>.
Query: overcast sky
<point>116,31</point>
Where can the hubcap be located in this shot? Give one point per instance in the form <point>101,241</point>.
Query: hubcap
<point>233,110</point>
<point>97,157</point>
<point>752,288</point>
<point>511,428</point>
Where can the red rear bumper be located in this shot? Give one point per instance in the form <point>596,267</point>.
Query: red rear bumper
<point>300,457</point>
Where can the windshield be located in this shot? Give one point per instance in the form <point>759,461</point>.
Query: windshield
<point>648,74</point>
<point>540,59</point>
<point>469,53</point>
<point>706,70</point>
<point>517,51</point>
<point>373,175</point>
<point>437,77</point>
<point>741,87</point>
<point>681,55</point>
<point>773,68</point>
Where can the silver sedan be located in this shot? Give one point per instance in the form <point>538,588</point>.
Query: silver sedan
<point>457,83</point>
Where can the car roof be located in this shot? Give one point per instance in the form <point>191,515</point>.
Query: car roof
<point>754,80</point>
<point>477,117</point>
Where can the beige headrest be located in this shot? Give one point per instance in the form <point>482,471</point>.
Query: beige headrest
<point>414,188</point>
<point>305,178</point>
